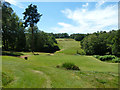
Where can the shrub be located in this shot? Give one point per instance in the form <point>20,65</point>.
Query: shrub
<point>96,56</point>
<point>113,58</point>
<point>105,57</point>
<point>70,66</point>
<point>57,66</point>
<point>116,60</point>
<point>10,53</point>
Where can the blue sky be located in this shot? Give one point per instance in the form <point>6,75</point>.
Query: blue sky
<point>73,17</point>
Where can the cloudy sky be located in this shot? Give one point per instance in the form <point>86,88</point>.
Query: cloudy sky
<point>73,17</point>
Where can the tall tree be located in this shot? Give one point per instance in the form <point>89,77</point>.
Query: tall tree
<point>116,45</point>
<point>6,24</point>
<point>31,17</point>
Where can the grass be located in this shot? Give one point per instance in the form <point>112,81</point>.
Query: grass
<point>40,71</point>
<point>70,46</point>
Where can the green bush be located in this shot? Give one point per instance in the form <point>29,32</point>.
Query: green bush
<point>9,53</point>
<point>116,60</point>
<point>105,57</point>
<point>70,66</point>
<point>96,56</point>
<point>112,58</point>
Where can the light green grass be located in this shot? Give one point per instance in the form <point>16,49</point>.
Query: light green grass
<point>70,46</point>
<point>40,71</point>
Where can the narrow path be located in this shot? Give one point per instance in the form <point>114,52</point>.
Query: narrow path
<point>48,82</point>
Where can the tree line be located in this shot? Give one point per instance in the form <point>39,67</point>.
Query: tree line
<point>77,36</point>
<point>97,43</point>
<point>15,36</point>
<point>101,43</point>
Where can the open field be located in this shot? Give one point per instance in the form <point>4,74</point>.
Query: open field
<point>40,71</point>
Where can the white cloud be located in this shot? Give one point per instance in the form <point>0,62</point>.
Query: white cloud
<point>100,3</point>
<point>14,2</point>
<point>85,5</point>
<point>86,21</point>
<point>64,24</point>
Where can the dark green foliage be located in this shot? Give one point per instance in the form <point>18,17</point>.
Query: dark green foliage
<point>102,43</point>
<point>106,57</point>
<point>31,17</point>
<point>13,37</point>
<point>70,66</point>
<point>116,60</point>
<point>111,58</point>
<point>61,35</point>
<point>43,42</point>
<point>6,79</point>
<point>16,38</point>
<point>11,53</point>
<point>93,44</point>
<point>78,37</point>
<point>116,45</point>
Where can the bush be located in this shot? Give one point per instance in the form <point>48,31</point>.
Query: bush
<point>81,52</point>
<point>96,56</point>
<point>70,66</point>
<point>105,57</point>
<point>11,53</point>
<point>116,60</point>
<point>113,58</point>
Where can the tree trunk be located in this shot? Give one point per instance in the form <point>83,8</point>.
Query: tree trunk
<point>32,41</point>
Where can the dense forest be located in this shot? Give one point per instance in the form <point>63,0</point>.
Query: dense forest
<point>102,43</point>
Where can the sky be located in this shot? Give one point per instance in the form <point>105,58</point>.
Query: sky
<point>73,17</point>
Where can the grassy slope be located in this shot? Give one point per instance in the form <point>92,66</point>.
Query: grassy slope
<point>70,46</point>
<point>41,71</point>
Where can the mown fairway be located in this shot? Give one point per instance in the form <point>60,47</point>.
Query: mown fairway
<point>40,71</point>
<point>69,46</point>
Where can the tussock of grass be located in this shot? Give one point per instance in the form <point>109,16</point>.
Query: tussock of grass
<point>6,79</point>
<point>70,66</point>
